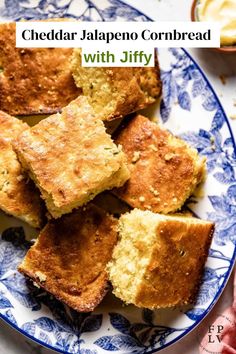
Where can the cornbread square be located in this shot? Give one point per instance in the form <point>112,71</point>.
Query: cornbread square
<point>33,80</point>
<point>18,196</point>
<point>158,260</point>
<point>116,92</point>
<point>71,158</point>
<point>70,256</point>
<point>164,169</point>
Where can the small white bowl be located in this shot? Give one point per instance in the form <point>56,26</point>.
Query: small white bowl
<point>223,49</point>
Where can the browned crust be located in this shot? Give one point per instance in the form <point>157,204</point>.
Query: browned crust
<point>18,195</point>
<point>138,87</point>
<point>173,278</point>
<point>72,253</point>
<point>164,169</point>
<point>71,158</point>
<point>33,80</point>
<point>11,124</point>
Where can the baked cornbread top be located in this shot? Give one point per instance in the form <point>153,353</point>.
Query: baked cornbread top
<point>11,127</point>
<point>18,195</point>
<point>33,80</point>
<point>71,158</point>
<point>70,256</point>
<point>164,169</point>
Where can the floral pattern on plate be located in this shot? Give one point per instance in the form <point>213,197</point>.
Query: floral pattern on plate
<point>191,110</point>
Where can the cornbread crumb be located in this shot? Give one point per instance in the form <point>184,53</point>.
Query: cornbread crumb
<point>151,189</point>
<point>20,178</point>
<point>212,139</point>
<point>153,147</point>
<point>36,285</point>
<point>142,199</point>
<point>232,116</point>
<point>42,277</point>
<point>223,78</point>
<point>154,255</point>
<point>136,156</point>
<point>169,156</point>
<point>154,191</point>
<point>71,158</point>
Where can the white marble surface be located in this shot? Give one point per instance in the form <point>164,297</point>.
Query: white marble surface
<point>214,65</point>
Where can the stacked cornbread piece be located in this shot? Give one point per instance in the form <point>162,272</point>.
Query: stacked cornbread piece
<point>158,260</point>
<point>18,195</point>
<point>71,158</point>
<point>53,172</point>
<point>33,80</point>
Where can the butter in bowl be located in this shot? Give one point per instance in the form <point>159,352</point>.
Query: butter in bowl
<point>222,11</point>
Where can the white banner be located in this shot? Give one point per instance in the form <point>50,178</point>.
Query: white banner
<point>114,43</point>
<point>118,58</point>
<point>124,35</point>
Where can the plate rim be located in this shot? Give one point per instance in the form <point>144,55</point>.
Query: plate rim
<point>228,273</point>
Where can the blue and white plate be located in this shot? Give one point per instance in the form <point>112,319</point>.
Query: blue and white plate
<point>191,110</point>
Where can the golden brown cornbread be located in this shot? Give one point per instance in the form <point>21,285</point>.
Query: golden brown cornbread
<point>158,260</point>
<point>70,255</point>
<point>116,92</point>
<point>33,80</point>
<point>18,195</point>
<point>164,169</point>
<point>71,158</point>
